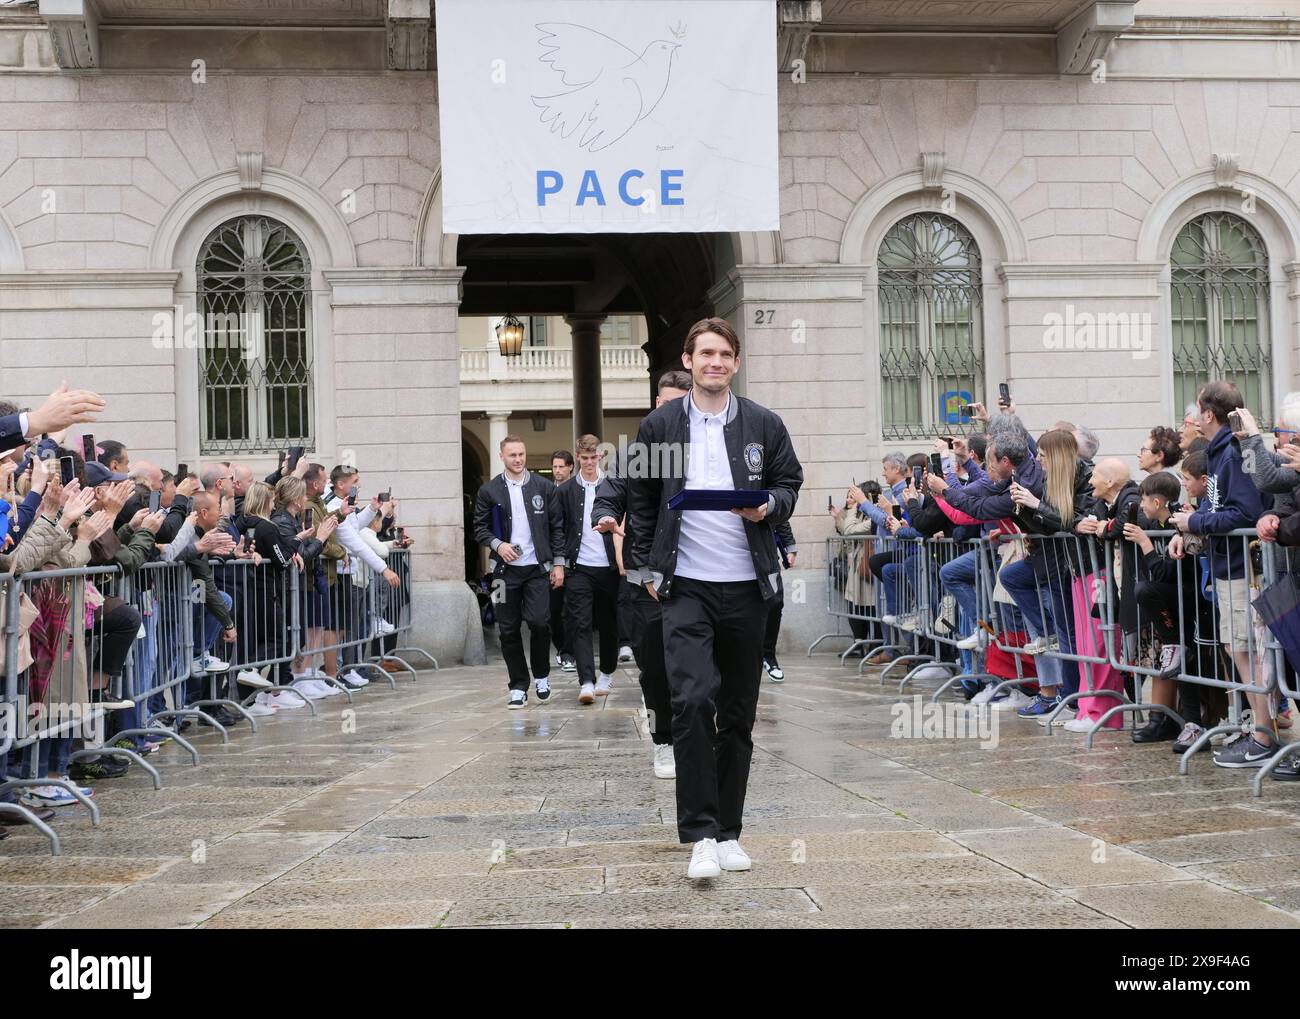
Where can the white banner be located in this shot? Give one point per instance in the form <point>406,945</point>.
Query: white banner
<point>607,116</point>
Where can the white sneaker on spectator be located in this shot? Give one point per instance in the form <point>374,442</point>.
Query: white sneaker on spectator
<point>312,689</point>
<point>985,695</point>
<point>257,710</point>
<point>971,643</point>
<point>933,672</point>
<point>909,622</point>
<point>665,761</point>
<point>46,796</point>
<point>732,857</point>
<point>625,653</point>
<point>326,688</point>
<point>1077,725</point>
<point>208,663</point>
<point>355,678</point>
<point>1040,645</point>
<point>704,860</point>
<point>253,678</point>
<point>383,627</point>
<point>604,682</point>
<point>286,699</point>
<point>890,620</point>
<point>1016,700</point>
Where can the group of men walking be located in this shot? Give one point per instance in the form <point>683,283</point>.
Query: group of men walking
<point>704,580</point>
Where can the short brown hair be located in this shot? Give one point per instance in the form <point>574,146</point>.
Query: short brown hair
<point>509,439</point>
<point>1220,398</point>
<point>588,444</point>
<point>720,326</point>
<point>677,379</point>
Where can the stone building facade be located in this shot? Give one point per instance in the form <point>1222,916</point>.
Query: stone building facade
<point>1096,202</point>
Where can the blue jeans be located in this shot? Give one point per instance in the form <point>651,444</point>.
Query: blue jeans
<point>1020,582</point>
<point>209,625</point>
<point>958,577</point>
<point>50,757</point>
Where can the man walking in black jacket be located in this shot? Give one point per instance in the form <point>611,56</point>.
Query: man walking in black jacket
<point>646,624</point>
<point>517,516</point>
<point>592,580</point>
<point>714,573</point>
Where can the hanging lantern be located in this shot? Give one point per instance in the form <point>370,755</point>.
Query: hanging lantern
<point>510,336</point>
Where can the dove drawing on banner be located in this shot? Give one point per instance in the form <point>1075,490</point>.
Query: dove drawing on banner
<point>610,87</point>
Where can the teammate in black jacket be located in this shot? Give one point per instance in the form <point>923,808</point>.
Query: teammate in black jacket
<point>715,572</point>
<point>517,516</point>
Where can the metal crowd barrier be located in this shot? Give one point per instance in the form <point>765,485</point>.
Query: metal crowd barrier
<point>1089,613</point>
<point>103,645</point>
<point>844,557</point>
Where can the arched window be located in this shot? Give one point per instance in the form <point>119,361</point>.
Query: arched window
<point>254,299</point>
<point>931,326</point>
<point>1219,310</point>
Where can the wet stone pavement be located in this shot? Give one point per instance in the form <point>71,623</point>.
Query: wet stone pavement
<point>443,808</point>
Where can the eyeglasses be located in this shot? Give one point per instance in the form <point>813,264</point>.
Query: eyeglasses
<point>1279,432</point>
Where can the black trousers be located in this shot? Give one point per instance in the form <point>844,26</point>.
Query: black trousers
<point>772,630</point>
<point>646,629</point>
<point>591,604</point>
<point>627,633</point>
<point>527,600</point>
<point>559,632</point>
<point>713,640</point>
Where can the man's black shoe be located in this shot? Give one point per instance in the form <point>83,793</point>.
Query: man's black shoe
<point>9,820</point>
<point>223,716</point>
<point>1159,729</point>
<point>93,769</point>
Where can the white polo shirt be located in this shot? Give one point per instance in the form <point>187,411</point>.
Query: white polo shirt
<point>521,532</point>
<point>592,550</point>
<point>712,544</point>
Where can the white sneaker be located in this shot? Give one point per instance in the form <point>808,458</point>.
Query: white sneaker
<point>971,643</point>
<point>603,684</point>
<point>704,861</point>
<point>257,709</point>
<point>310,688</point>
<point>518,699</point>
<point>543,688</point>
<point>933,672</point>
<point>326,688</point>
<point>1040,645</point>
<point>1061,718</point>
<point>1013,702</point>
<point>732,857</point>
<point>383,627</point>
<point>665,761</point>
<point>587,695</point>
<point>625,653</point>
<point>985,695</point>
<point>910,622</point>
<point>285,699</point>
<point>355,678</point>
<point>1078,725</point>
<point>208,663</point>
<point>253,678</point>
<point>890,620</point>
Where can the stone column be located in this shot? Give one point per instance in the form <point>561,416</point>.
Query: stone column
<point>395,374</point>
<point>588,413</point>
<point>498,429</point>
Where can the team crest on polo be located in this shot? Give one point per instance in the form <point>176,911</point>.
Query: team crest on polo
<point>754,456</point>
<point>538,503</point>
